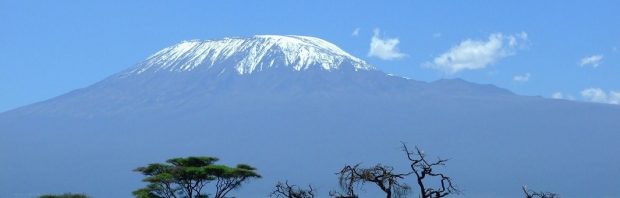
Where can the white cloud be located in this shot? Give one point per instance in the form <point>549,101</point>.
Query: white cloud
<point>557,95</point>
<point>384,48</point>
<point>614,97</point>
<point>600,96</point>
<point>522,78</point>
<point>356,32</point>
<point>592,61</point>
<point>437,35</point>
<point>560,95</point>
<point>478,54</point>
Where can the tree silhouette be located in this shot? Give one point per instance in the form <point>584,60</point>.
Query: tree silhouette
<point>228,179</point>
<point>534,194</point>
<point>161,179</point>
<point>187,177</point>
<point>380,175</point>
<point>424,170</point>
<point>66,195</point>
<point>285,190</point>
<point>347,180</point>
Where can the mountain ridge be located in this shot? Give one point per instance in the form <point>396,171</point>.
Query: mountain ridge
<point>198,68</point>
<point>280,118</point>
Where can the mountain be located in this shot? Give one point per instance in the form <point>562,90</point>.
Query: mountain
<point>248,55</point>
<point>299,108</point>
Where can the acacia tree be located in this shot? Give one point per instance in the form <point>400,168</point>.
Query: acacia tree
<point>540,194</point>
<point>180,176</point>
<point>284,190</point>
<point>187,177</point>
<point>380,175</point>
<point>161,179</point>
<point>424,171</point>
<point>228,179</point>
<point>192,173</point>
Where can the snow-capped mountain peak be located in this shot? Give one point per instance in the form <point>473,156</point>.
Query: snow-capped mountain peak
<point>251,54</point>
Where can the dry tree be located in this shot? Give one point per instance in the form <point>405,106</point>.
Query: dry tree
<point>425,171</point>
<point>539,194</point>
<point>285,190</point>
<point>382,176</point>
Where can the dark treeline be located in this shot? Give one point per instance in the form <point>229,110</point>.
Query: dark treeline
<point>201,177</point>
<point>66,195</point>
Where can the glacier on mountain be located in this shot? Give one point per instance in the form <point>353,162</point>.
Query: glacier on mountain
<point>251,54</point>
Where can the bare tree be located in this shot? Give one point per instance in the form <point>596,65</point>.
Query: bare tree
<point>347,181</point>
<point>424,171</point>
<point>540,194</point>
<point>285,190</point>
<point>380,175</point>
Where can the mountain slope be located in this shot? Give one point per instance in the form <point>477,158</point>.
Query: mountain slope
<point>301,118</point>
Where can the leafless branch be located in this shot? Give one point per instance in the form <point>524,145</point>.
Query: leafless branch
<point>285,190</point>
<point>540,194</point>
<point>380,175</point>
<point>423,169</point>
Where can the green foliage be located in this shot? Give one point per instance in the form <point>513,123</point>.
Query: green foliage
<point>192,161</point>
<point>246,171</point>
<point>229,179</point>
<point>152,190</point>
<point>66,195</point>
<point>186,177</point>
<point>146,192</point>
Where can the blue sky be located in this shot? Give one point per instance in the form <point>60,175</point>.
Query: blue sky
<point>567,49</point>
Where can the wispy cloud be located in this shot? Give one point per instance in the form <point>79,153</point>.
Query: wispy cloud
<point>560,95</point>
<point>600,96</point>
<point>477,54</point>
<point>522,78</point>
<point>356,32</point>
<point>592,61</point>
<point>557,95</point>
<point>437,35</point>
<point>384,48</point>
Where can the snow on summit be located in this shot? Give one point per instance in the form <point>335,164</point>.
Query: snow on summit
<point>251,54</point>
